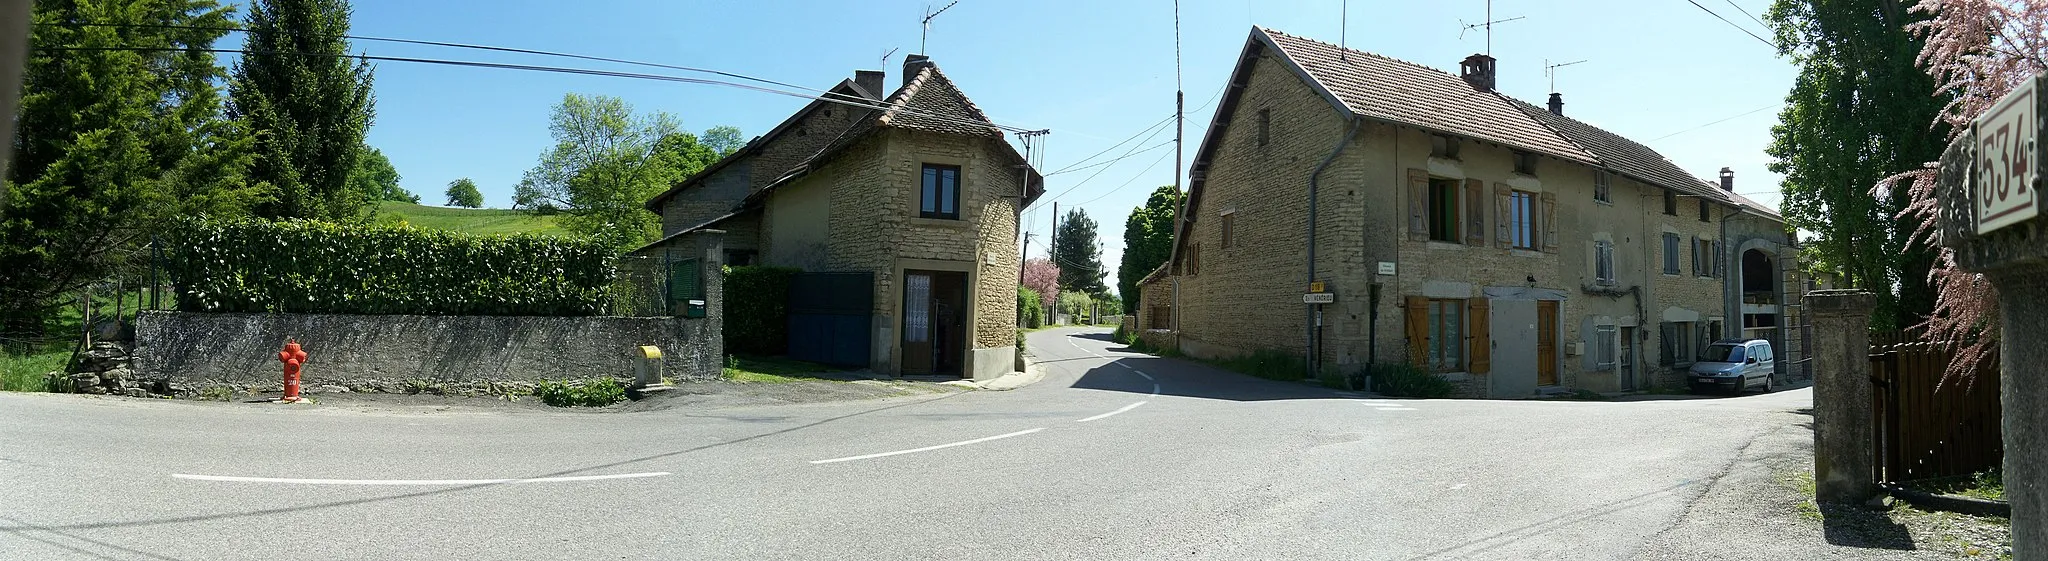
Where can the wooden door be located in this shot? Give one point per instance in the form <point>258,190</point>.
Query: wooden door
<point>1546,343</point>
<point>1627,358</point>
<point>918,326</point>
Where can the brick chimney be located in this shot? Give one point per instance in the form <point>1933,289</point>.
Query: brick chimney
<point>870,80</point>
<point>1727,180</point>
<point>1478,71</point>
<point>912,64</point>
<point>1557,104</point>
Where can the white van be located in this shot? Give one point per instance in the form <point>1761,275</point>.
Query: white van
<point>1734,365</point>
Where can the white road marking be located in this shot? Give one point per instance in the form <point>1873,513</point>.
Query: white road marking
<point>1104,415</point>
<point>928,448</point>
<point>1394,409</point>
<point>299,481</point>
<point>1142,373</point>
<point>1155,388</point>
<point>1458,486</point>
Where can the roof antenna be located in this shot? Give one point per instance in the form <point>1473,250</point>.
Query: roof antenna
<point>1550,71</point>
<point>1343,29</point>
<point>928,15</point>
<point>885,56</point>
<point>1488,24</point>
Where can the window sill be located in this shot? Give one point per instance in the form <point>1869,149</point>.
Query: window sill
<point>938,222</point>
<point>1438,244</point>
<point>1603,203</point>
<point>1530,253</point>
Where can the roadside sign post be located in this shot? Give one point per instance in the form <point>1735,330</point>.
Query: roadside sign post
<point>1990,214</point>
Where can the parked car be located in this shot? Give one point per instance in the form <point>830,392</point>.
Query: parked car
<point>1734,365</point>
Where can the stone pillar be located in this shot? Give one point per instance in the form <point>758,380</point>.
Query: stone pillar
<point>1842,434</point>
<point>2012,254</point>
<point>708,359</point>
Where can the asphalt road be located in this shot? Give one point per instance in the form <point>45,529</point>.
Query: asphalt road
<point>1112,455</point>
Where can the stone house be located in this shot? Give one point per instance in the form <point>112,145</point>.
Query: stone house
<point>912,196</point>
<point>1511,248</point>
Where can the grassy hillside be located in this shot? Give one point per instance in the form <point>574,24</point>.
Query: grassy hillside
<point>469,220</point>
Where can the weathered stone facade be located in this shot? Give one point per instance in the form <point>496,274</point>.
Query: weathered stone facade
<point>1244,293</point>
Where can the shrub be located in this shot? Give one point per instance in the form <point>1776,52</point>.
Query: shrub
<point>1075,305</point>
<point>1271,364</point>
<point>757,309</point>
<point>593,393</point>
<point>1020,342</point>
<point>1408,380</point>
<point>1028,301</point>
<point>306,266</point>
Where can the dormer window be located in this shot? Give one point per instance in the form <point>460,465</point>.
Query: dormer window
<point>1443,146</point>
<point>1525,163</point>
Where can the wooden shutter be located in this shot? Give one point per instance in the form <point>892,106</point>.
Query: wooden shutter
<point>1503,207</point>
<point>1548,227</point>
<point>1418,204</point>
<point>1668,332</point>
<point>1476,324</point>
<point>1720,259</point>
<point>1475,212</point>
<point>1418,330</point>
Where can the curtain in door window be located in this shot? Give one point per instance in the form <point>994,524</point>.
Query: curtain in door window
<point>917,310</point>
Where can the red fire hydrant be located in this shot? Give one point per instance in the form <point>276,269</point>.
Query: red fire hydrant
<point>292,356</point>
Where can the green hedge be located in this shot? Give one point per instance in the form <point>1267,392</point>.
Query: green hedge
<point>757,310</point>
<point>304,266</point>
<point>1032,306</point>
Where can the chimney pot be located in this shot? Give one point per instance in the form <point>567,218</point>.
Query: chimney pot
<point>1478,71</point>
<point>1727,180</point>
<point>911,65</point>
<point>1557,104</point>
<point>870,80</point>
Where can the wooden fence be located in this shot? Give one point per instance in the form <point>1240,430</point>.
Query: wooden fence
<point>1926,425</point>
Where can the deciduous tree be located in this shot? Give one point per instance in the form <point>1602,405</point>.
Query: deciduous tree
<point>463,193</point>
<point>1043,277</point>
<point>1148,241</point>
<point>376,179</point>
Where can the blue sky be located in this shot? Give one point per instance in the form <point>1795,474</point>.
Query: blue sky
<point>1093,72</point>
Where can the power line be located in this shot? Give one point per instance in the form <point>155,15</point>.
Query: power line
<point>1738,7</point>
<point>1077,165</point>
<point>1744,114</point>
<point>1745,30</point>
<point>828,97</point>
<point>1127,182</point>
<point>825,94</point>
<point>1098,173</point>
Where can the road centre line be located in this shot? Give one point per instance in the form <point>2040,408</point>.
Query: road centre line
<point>301,481</point>
<point>1105,415</point>
<point>928,448</point>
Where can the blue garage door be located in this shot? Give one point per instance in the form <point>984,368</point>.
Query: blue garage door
<point>831,318</point>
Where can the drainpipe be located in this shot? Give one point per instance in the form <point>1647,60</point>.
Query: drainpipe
<point>1312,319</point>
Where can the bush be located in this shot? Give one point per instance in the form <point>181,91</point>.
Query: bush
<point>1408,380</point>
<point>1029,301</point>
<point>1020,342</point>
<point>593,393</point>
<point>1074,305</point>
<point>1271,364</point>
<point>306,266</point>
<point>757,309</point>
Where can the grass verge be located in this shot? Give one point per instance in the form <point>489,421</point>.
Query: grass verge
<point>1988,485</point>
<point>773,370</point>
<point>26,373</point>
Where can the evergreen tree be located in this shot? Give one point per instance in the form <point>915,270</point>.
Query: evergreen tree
<point>309,105</point>
<point>1148,242</point>
<point>1077,254</point>
<point>110,144</point>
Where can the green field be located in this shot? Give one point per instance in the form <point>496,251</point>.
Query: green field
<point>468,220</point>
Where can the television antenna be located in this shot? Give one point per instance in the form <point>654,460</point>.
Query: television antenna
<point>1488,24</point>
<point>885,56</point>
<point>1550,71</point>
<point>928,15</point>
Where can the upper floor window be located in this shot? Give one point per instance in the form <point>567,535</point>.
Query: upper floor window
<point>1600,187</point>
<point>1603,262</point>
<point>1224,224</point>
<point>1706,211</point>
<point>1265,126</point>
<point>940,196</point>
<point>1525,163</point>
<point>1443,210</point>
<point>1522,219</point>
<point>1441,146</point>
<point>1670,202</point>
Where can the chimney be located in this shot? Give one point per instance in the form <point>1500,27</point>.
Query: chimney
<point>1727,180</point>
<point>912,64</point>
<point>870,80</point>
<point>1478,71</point>
<point>1557,104</point>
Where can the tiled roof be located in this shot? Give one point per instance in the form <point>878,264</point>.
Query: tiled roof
<point>1623,155</point>
<point>1387,89</point>
<point>930,102</point>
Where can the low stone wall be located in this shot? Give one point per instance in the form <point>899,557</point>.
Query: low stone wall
<point>452,354</point>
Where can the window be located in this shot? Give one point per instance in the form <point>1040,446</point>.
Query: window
<point>1446,335</point>
<point>1603,262</point>
<point>1603,347</point>
<point>1195,260</point>
<point>1703,264</point>
<point>1600,188</point>
<point>1265,126</point>
<point>1706,211</point>
<point>1670,202</point>
<point>1522,219</point>
<point>1678,343</point>
<point>1670,253</point>
<point>740,257</point>
<point>1224,223</point>
<point>1443,210</point>
<point>1441,146</point>
<point>1525,163</point>
<point>941,195</point>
